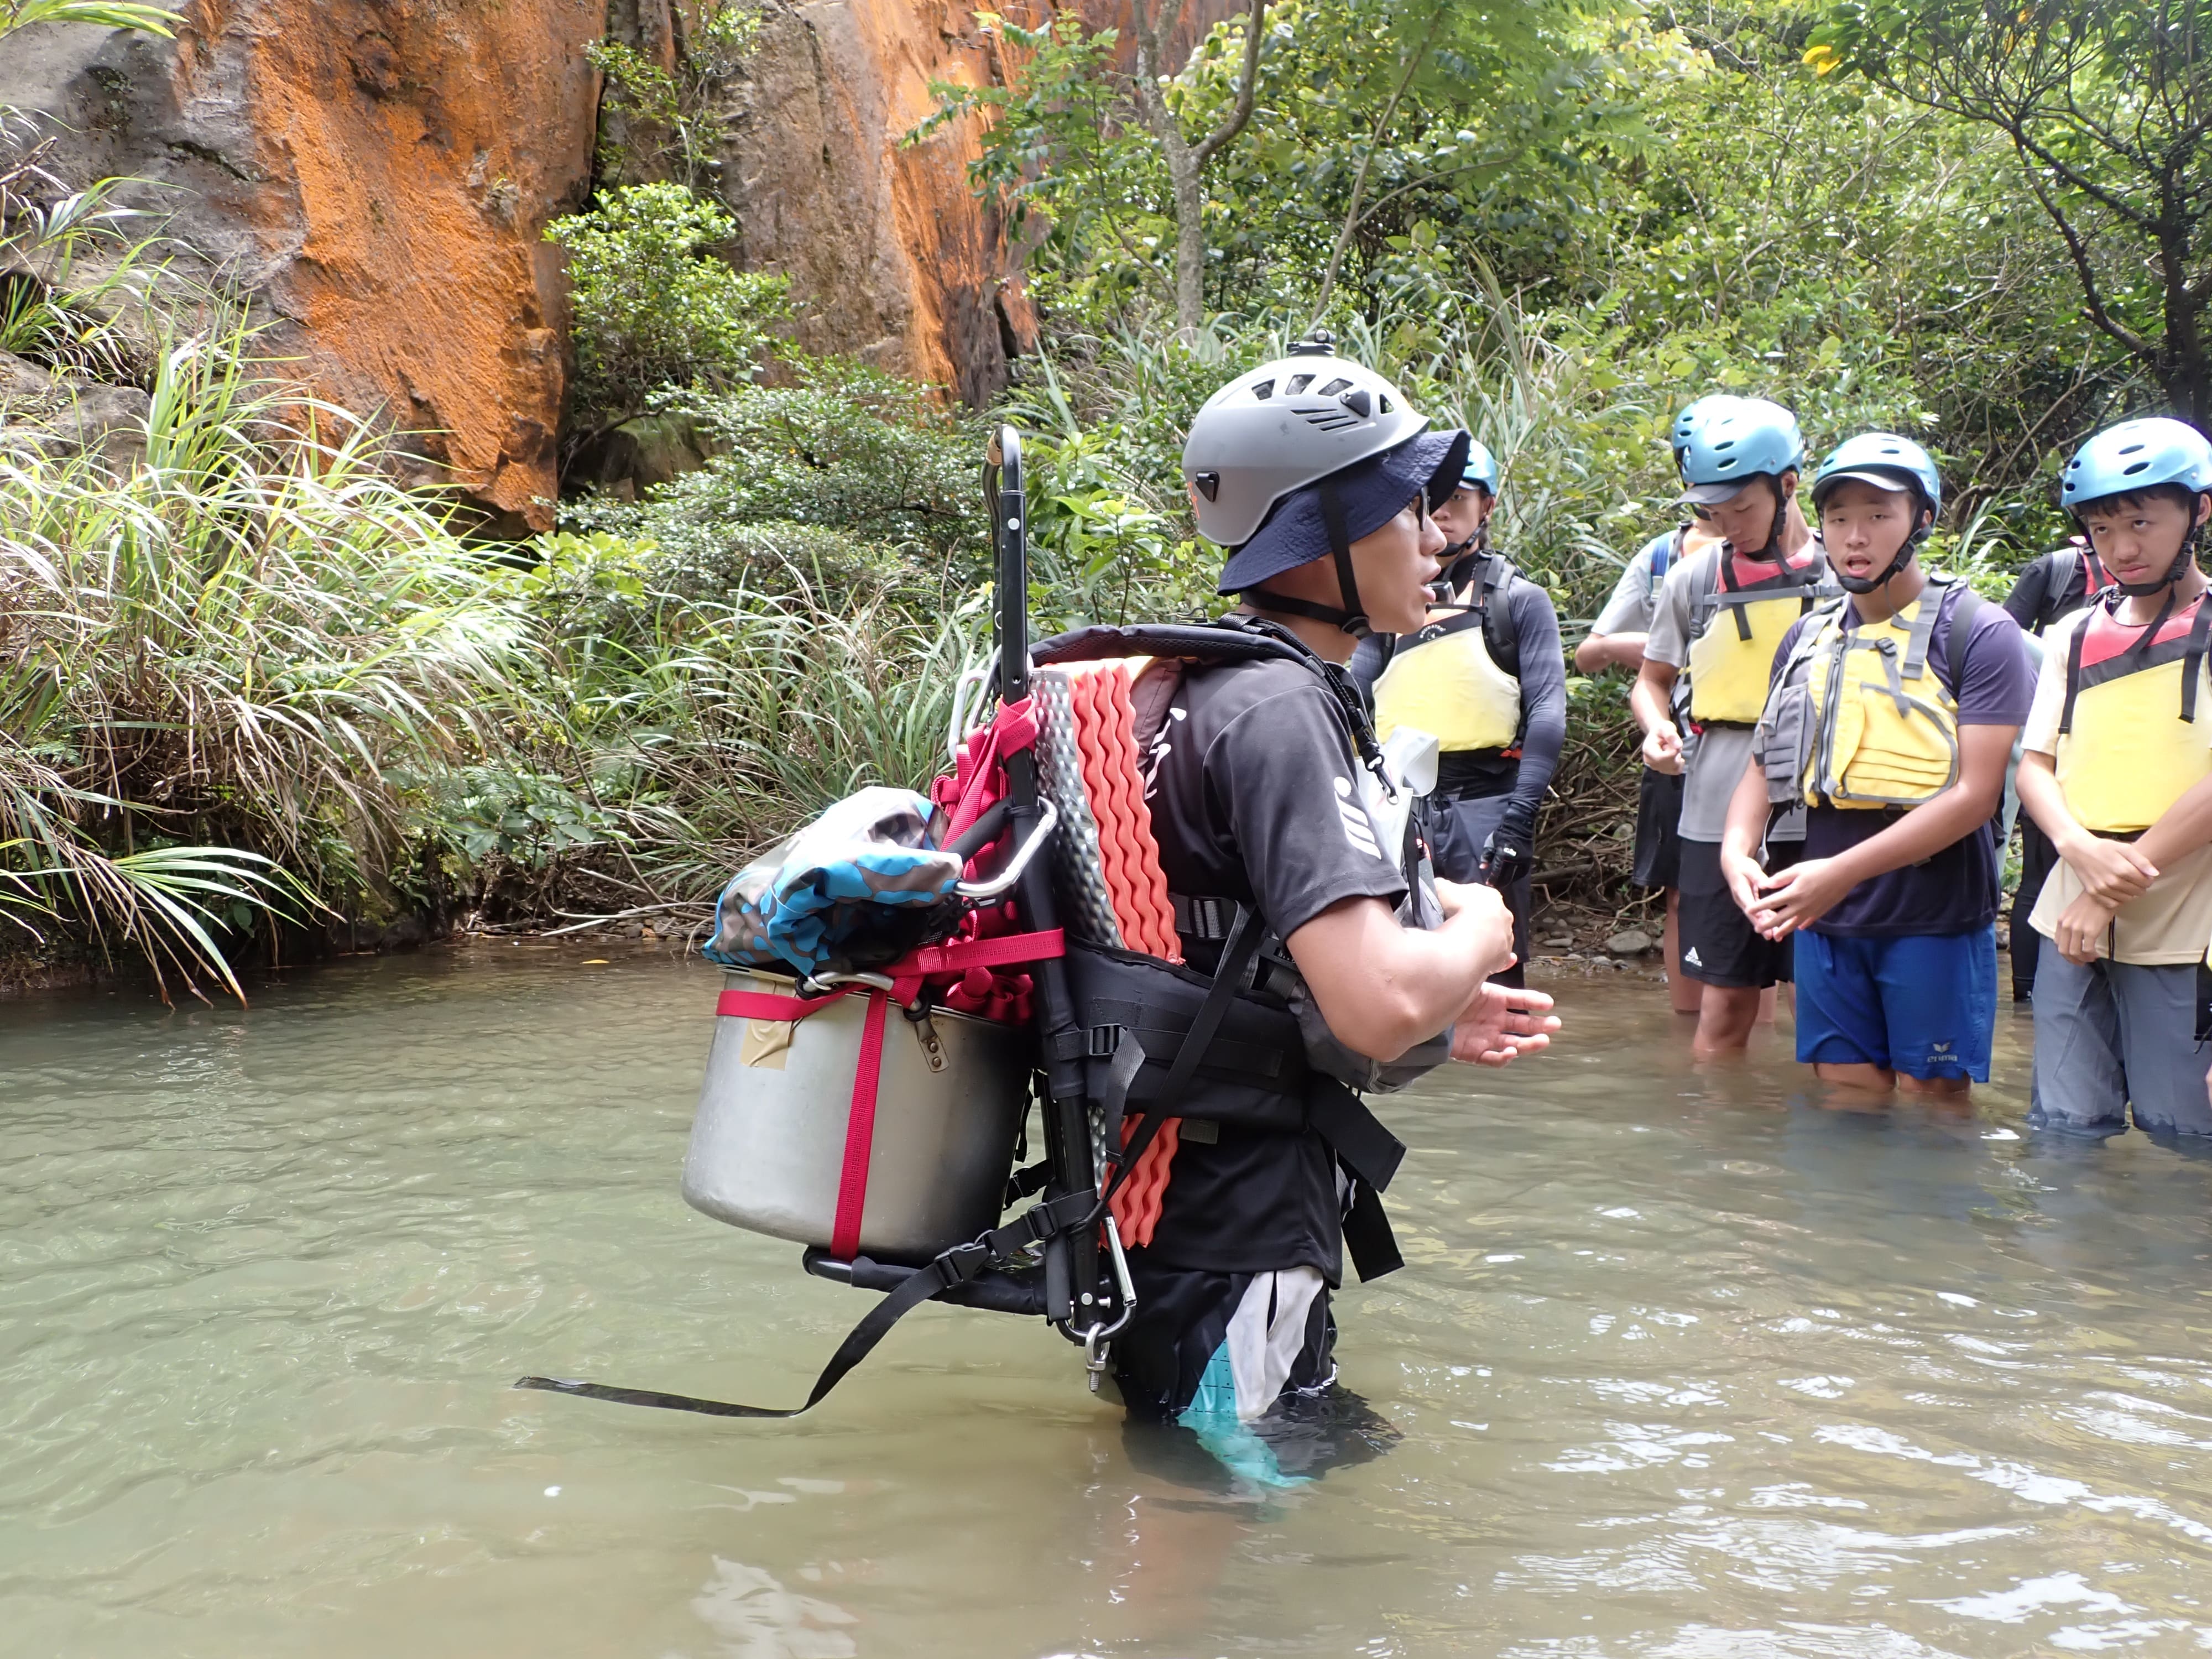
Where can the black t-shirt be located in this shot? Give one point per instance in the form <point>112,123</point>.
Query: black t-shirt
<point>1254,796</point>
<point>2032,602</point>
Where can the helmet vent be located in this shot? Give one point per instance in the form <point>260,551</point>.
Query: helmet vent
<point>1296,384</point>
<point>2134,467</point>
<point>1330,418</point>
<point>1335,386</point>
<point>2132,449</point>
<point>1263,389</point>
<point>1357,402</point>
<point>1384,404</point>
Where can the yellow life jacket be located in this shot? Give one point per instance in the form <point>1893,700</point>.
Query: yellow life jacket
<point>1732,662</point>
<point>2128,741</point>
<point>1884,730</point>
<point>1445,680</point>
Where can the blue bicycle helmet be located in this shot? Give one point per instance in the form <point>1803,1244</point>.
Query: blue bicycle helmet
<point>1481,468</point>
<point>1884,459</point>
<point>2136,455</point>
<point>1736,443</point>
<point>2140,455</point>
<point>1695,415</point>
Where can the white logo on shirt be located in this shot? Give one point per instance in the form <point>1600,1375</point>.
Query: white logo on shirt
<point>1358,829</point>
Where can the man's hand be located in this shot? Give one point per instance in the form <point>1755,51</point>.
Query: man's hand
<point>2112,871</point>
<point>2081,935</point>
<point>1455,897</point>
<point>1500,1025</point>
<point>1743,875</point>
<point>1663,749</point>
<point>1797,897</point>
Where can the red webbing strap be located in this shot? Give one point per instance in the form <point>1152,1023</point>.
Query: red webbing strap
<point>860,1134</point>
<point>1002,950</point>
<point>760,1004</point>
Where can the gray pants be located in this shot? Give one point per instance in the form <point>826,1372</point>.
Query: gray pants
<point>2113,1034</point>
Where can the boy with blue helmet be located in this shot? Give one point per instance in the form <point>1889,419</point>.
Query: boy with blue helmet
<point>1721,614</point>
<point>1616,639</point>
<point>2117,771</point>
<point>1889,722</point>
<point>1484,676</point>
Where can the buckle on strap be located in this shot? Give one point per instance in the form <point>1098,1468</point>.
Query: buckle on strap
<point>1204,919</point>
<point>1103,1041</point>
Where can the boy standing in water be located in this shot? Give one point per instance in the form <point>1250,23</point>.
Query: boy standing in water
<point>2051,588</point>
<point>1721,614</point>
<point>2117,771</point>
<point>1486,678</point>
<point>1891,719</point>
<point>1318,477</point>
<point>1616,639</point>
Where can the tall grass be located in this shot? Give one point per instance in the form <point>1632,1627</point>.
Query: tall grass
<point>246,641</point>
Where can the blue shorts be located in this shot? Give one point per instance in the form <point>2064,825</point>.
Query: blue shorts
<point>1922,1004</point>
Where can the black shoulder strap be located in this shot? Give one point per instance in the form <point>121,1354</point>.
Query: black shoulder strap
<point>2073,665</point>
<point>1498,632</point>
<point>2066,564</point>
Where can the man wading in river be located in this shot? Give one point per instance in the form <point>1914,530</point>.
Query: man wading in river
<point>1320,478</point>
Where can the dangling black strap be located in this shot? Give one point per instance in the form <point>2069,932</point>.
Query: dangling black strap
<point>955,1267</point>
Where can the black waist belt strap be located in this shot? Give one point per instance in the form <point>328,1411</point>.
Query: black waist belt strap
<point>1372,1155</point>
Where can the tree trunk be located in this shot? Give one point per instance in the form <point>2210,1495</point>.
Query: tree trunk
<point>1186,161</point>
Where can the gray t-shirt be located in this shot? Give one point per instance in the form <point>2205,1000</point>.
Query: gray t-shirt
<point>1635,595</point>
<point>1715,759</point>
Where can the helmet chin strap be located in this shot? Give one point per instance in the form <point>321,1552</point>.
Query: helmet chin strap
<point>1352,618</point>
<point>1868,584</point>
<point>2182,560</point>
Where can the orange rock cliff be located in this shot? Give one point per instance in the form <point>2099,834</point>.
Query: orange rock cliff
<point>379,174</point>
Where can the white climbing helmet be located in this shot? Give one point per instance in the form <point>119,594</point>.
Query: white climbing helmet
<point>1285,425</point>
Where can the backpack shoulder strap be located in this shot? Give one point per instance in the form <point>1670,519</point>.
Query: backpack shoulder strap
<point>1497,630</point>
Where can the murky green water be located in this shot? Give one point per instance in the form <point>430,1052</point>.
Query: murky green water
<point>1684,1365</point>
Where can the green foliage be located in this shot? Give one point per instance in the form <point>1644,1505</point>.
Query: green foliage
<point>2109,112</point>
<point>97,14</point>
<point>653,305</point>
<point>668,124</point>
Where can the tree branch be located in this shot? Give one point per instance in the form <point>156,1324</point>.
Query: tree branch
<point>2090,292</point>
<point>1351,218</point>
<point>1248,91</point>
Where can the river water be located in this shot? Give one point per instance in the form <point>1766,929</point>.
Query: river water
<point>1684,1363</point>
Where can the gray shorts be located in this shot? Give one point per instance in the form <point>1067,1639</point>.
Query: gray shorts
<point>2109,1035</point>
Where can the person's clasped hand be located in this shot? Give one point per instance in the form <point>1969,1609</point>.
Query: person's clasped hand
<point>2114,872</point>
<point>1796,897</point>
<point>2082,928</point>
<point>1663,749</point>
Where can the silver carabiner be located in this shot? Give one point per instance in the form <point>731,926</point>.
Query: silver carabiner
<point>998,886</point>
<point>1097,1350</point>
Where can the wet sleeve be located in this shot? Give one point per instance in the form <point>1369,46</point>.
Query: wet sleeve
<point>1543,691</point>
<point>1629,610</point>
<point>1671,617</point>
<point>1285,778</point>
<point>1997,686</point>
<point>2031,592</point>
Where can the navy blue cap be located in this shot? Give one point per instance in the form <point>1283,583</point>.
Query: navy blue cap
<point>1373,492</point>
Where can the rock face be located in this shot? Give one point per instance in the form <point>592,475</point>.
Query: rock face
<point>378,174</point>
<point>63,414</point>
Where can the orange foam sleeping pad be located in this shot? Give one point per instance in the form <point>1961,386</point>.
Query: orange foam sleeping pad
<point>1137,887</point>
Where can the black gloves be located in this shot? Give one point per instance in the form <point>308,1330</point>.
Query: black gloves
<point>1510,851</point>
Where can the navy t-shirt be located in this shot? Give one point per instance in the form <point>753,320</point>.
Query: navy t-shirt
<point>1956,890</point>
<point>1253,787</point>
